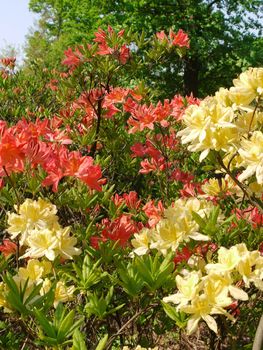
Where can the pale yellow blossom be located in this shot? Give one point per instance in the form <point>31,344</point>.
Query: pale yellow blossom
<point>202,308</point>
<point>247,87</point>
<point>176,227</point>
<point>32,215</point>
<point>228,259</point>
<point>251,153</point>
<point>63,293</point>
<point>188,287</point>
<point>42,243</point>
<point>35,270</point>
<point>141,241</point>
<point>209,126</point>
<point>65,247</point>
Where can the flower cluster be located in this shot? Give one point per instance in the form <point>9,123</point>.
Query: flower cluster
<point>179,39</point>
<point>28,278</point>
<point>203,295</point>
<point>44,144</point>
<point>231,122</point>
<point>37,229</point>
<point>36,224</point>
<point>177,226</point>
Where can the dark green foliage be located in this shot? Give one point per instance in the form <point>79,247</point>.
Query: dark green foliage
<point>225,36</point>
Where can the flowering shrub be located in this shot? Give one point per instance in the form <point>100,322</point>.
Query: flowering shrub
<point>128,223</point>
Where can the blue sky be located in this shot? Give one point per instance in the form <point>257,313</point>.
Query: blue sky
<point>15,21</point>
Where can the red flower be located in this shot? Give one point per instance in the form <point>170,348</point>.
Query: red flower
<point>175,39</point>
<point>117,200</point>
<point>182,255</point>
<point>95,240</point>
<point>153,212</point>
<point>181,176</point>
<point>72,58</point>
<point>161,36</point>
<point>105,42</point>
<point>120,229</point>
<point>131,200</point>
<point>179,39</point>
<point>83,168</point>
<point>234,309</point>
<point>180,103</point>
<point>11,154</point>
<point>124,54</point>
<point>202,249</point>
<point>153,165</point>
<point>8,247</point>
<point>8,62</point>
<point>251,214</point>
<point>138,149</point>
<point>191,189</point>
<point>53,179</point>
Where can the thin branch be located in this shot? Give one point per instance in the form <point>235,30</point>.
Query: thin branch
<point>254,201</point>
<point>122,329</point>
<point>212,3</point>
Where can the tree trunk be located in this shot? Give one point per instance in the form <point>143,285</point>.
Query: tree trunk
<point>191,70</point>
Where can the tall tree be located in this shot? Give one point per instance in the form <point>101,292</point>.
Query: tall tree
<point>225,35</point>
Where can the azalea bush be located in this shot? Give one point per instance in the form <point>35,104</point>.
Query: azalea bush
<point>128,222</point>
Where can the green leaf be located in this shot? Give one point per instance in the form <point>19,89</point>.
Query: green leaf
<point>45,324</point>
<point>33,294</point>
<point>102,343</point>
<point>178,317</point>
<point>78,341</point>
<point>14,297</point>
<point>200,221</point>
<point>59,314</point>
<point>65,326</point>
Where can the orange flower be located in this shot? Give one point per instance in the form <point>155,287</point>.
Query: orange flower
<point>8,247</point>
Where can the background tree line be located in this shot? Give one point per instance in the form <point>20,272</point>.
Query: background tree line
<point>225,37</point>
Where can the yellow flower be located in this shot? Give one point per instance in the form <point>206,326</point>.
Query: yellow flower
<point>257,275</point>
<point>256,189</point>
<point>168,236</point>
<point>188,287</point>
<point>66,244</point>
<point>228,259</point>
<point>177,226</point>
<point>63,293</point>
<point>248,266</point>
<point>46,285</point>
<point>223,97</point>
<point>202,308</point>
<point>32,215</point>
<point>141,241</point>
<point>217,286</point>
<point>247,120</point>
<point>209,126</point>
<point>247,87</point>
<point>251,153</point>
<point>42,243</point>
<point>35,270</point>
<point>215,187</point>
<point>197,262</point>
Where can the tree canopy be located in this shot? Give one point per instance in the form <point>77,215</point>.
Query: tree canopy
<point>225,36</point>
